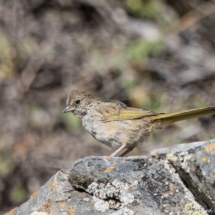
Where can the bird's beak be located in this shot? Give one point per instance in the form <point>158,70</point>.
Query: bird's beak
<point>67,109</point>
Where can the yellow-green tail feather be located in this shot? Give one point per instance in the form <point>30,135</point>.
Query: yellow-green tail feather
<point>168,118</point>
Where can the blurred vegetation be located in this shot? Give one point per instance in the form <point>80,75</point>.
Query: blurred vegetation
<point>141,50</point>
<point>144,8</point>
<point>156,55</point>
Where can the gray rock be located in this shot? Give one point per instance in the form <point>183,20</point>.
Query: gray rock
<point>177,148</point>
<point>115,186</point>
<point>195,164</point>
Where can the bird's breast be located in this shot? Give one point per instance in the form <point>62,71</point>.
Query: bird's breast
<point>115,133</point>
<point>110,133</point>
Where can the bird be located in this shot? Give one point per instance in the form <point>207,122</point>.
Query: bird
<point>121,127</point>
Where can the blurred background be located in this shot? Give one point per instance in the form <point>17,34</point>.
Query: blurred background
<point>152,54</point>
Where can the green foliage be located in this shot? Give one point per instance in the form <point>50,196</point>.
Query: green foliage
<point>194,101</point>
<point>156,11</point>
<point>13,57</point>
<point>72,121</point>
<point>198,102</point>
<point>18,194</point>
<point>6,66</point>
<point>6,165</point>
<point>140,50</point>
<point>127,82</point>
<point>100,59</point>
<point>119,56</point>
<point>154,101</point>
<point>143,8</point>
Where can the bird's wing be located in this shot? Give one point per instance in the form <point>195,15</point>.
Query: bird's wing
<point>134,113</point>
<point>112,112</point>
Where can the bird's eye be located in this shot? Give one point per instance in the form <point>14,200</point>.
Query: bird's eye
<point>78,101</point>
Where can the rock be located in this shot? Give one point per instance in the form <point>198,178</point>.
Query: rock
<point>196,166</point>
<point>175,180</point>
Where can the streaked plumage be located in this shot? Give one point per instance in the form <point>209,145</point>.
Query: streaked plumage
<point>119,126</point>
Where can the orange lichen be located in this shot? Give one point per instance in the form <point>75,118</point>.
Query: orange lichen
<point>51,185</point>
<point>12,212</point>
<point>47,205</point>
<point>34,195</point>
<point>210,147</point>
<point>109,158</point>
<point>203,158</point>
<point>110,168</point>
<point>171,186</point>
<point>61,203</point>
<point>71,210</point>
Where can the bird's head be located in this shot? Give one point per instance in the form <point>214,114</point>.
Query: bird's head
<point>78,102</point>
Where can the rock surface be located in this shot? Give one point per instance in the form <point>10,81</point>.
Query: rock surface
<point>195,164</point>
<point>175,180</point>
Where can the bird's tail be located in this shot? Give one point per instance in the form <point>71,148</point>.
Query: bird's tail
<point>168,118</point>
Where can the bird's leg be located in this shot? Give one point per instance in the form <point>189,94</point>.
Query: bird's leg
<point>126,152</point>
<point>118,150</point>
